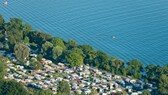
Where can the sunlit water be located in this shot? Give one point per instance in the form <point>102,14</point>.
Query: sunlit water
<point>125,29</point>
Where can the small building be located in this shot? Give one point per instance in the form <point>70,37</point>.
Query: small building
<point>33,55</point>
<point>28,80</point>
<point>129,90</point>
<point>104,93</point>
<point>134,93</point>
<point>20,67</point>
<point>37,77</point>
<point>119,89</point>
<point>68,71</point>
<point>116,77</point>
<point>148,85</point>
<point>54,89</point>
<point>133,81</point>
<point>59,71</point>
<point>48,61</point>
<point>139,92</point>
<point>59,79</point>
<point>61,65</point>
<point>79,91</point>
<point>43,61</point>
<point>87,91</point>
<point>113,91</point>
<point>14,59</point>
<point>81,85</point>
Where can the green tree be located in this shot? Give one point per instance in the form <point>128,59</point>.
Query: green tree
<point>163,84</point>
<point>14,31</point>
<point>47,45</point>
<point>34,46</point>
<point>26,39</point>
<point>74,59</point>
<point>35,65</point>
<point>44,92</point>
<point>56,52</point>
<point>89,53</point>
<point>47,48</point>
<point>14,23</point>
<point>40,92</point>
<point>83,93</point>
<point>58,42</point>
<point>134,68</point>
<point>12,88</point>
<point>21,52</point>
<point>26,29</point>
<point>39,57</point>
<point>78,51</point>
<point>86,49</point>
<point>63,88</point>
<point>38,37</point>
<point>71,44</point>
<point>118,66</point>
<point>1,22</point>
<point>101,61</point>
<point>153,73</point>
<point>94,92</point>
<point>1,45</point>
<point>6,47</point>
<point>2,36</point>
<point>121,93</point>
<point>123,71</point>
<point>146,92</point>
<point>149,69</point>
<point>165,69</point>
<point>90,57</point>
<point>2,69</point>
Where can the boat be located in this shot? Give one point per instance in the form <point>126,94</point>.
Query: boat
<point>5,3</point>
<point>114,37</point>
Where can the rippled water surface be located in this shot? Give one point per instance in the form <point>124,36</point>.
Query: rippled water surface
<point>125,29</point>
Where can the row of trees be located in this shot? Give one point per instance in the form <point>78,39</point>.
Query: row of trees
<point>12,88</point>
<point>18,37</point>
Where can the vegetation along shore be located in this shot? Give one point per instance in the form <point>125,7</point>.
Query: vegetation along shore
<point>35,63</point>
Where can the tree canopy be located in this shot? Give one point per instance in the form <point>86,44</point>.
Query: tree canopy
<point>47,48</point>
<point>40,92</point>
<point>134,68</point>
<point>58,42</point>
<point>12,88</point>
<point>63,88</point>
<point>163,84</point>
<point>35,65</point>
<point>21,52</point>
<point>2,70</point>
<point>56,52</point>
<point>146,92</point>
<point>71,44</point>
<point>1,22</point>
<point>74,59</point>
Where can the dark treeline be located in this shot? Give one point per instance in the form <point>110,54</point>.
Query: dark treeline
<point>18,37</point>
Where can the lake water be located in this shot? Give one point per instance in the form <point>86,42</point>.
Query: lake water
<point>125,29</point>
